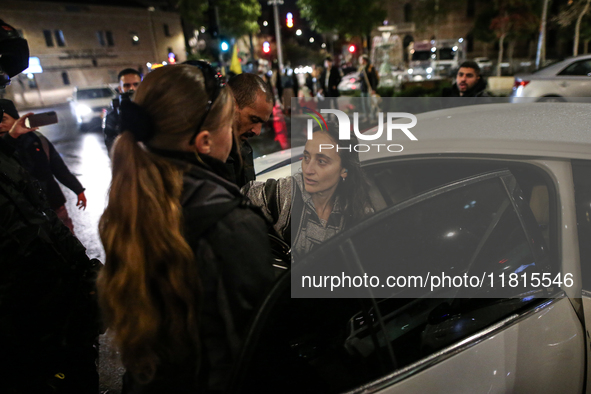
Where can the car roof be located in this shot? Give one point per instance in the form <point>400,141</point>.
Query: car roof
<point>77,89</point>
<point>555,68</point>
<point>540,130</point>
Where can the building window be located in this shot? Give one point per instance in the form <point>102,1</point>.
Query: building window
<point>101,37</point>
<point>166,30</point>
<point>109,36</point>
<point>48,38</point>
<point>65,78</point>
<point>135,39</point>
<point>59,38</point>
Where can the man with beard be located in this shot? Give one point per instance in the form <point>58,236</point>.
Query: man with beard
<point>254,106</point>
<point>468,83</point>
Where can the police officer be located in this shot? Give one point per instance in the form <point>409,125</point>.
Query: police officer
<point>129,79</point>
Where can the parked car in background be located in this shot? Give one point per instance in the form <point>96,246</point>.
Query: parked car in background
<point>559,81</point>
<point>485,65</point>
<point>87,104</point>
<point>350,83</point>
<point>495,188</point>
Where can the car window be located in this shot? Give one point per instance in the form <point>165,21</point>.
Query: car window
<point>89,94</point>
<point>401,180</point>
<point>482,224</point>
<point>580,68</point>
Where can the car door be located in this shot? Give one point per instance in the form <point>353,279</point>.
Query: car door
<point>582,181</point>
<point>411,338</point>
<point>575,80</point>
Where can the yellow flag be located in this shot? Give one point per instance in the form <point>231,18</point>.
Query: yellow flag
<point>235,65</point>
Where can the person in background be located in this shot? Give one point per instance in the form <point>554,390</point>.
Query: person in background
<point>129,80</point>
<point>468,83</point>
<point>369,84</point>
<point>38,156</point>
<point>254,106</point>
<point>329,194</point>
<point>329,81</point>
<point>48,314</point>
<point>188,260</point>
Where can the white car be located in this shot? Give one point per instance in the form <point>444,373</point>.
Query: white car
<point>566,80</point>
<point>350,83</point>
<point>87,104</point>
<point>530,164</point>
<point>485,65</point>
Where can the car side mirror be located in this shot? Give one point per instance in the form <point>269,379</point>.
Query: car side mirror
<point>439,314</point>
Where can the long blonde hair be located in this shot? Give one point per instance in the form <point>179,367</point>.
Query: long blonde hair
<point>149,289</point>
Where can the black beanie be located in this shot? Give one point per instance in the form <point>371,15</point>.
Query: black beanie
<point>9,108</point>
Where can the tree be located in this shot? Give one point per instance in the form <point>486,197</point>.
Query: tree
<point>429,13</point>
<point>574,12</point>
<point>345,17</point>
<point>236,20</point>
<point>515,20</point>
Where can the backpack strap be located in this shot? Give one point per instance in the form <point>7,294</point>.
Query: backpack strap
<point>44,144</point>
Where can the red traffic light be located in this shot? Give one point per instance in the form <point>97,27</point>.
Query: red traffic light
<point>289,20</point>
<point>352,48</point>
<point>266,47</point>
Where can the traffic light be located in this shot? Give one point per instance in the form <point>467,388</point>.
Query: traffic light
<point>266,47</point>
<point>289,21</point>
<point>171,58</point>
<point>352,48</point>
<point>224,46</point>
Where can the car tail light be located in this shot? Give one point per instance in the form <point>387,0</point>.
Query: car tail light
<point>519,83</point>
<point>352,80</point>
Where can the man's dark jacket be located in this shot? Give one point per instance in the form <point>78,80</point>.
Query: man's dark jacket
<point>240,172</point>
<point>46,167</point>
<point>372,77</point>
<point>111,128</point>
<point>478,90</point>
<point>333,82</point>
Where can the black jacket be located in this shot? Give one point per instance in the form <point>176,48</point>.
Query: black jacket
<point>45,304</point>
<point>479,90</point>
<point>231,247</point>
<point>111,128</point>
<point>372,77</point>
<point>240,172</point>
<point>333,82</point>
<point>46,167</point>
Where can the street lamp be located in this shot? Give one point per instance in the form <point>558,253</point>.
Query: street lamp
<point>265,23</point>
<point>298,32</point>
<point>323,45</point>
<point>311,39</point>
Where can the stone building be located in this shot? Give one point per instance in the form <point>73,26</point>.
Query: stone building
<point>87,45</point>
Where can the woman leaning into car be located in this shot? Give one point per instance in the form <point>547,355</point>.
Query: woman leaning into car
<point>187,260</point>
<point>329,194</point>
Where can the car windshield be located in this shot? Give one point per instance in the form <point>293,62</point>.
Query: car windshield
<point>421,55</point>
<point>446,54</point>
<point>548,65</point>
<point>88,94</point>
